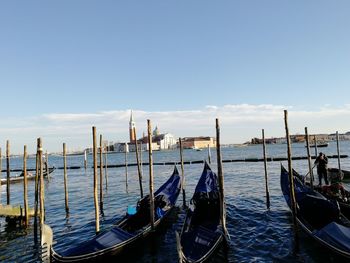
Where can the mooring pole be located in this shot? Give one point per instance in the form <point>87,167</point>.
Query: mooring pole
<point>209,155</point>
<point>42,191</point>
<point>25,188</point>
<point>338,152</point>
<point>315,141</point>
<point>65,177</point>
<point>291,184</point>
<point>36,205</point>
<point>97,219</point>
<point>126,167</point>
<point>151,194</point>
<point>182,174</point>
<point>309,159</point>
<point>101,174</point>
<point>0,172</point>
<point>106,166</point>
<point>47,164</point>
<point>266,174</point>
<point>221,180</point>
<point>8,171</point>
<point>85,159</point>
<point>138,164</point>
<point>141,159</point>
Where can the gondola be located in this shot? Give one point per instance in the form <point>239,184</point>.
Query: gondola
<point>19,178</point>
<point>319,145</point>
<point>125,233</point>
<point>319,217</point>
<point>202,232</point>
<point>329,192</point>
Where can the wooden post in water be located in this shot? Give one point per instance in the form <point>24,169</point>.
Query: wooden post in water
<point>309,159</point>
<point>126,166</point>
<point>85,159</point>
<point>141,160</point>
<point>0,173</point>
<point>338,152</point>
<point>151,194</point>
<point>65,177</point>
<point>291,184</point>
<point>138,164</point>
<point>221,179</point>
<point>182,174</point>
<point>25,188</point>
<point>97,219</point>
<point>101,173</point>
<point>8,171</point>
<point>36,202</point>
<point>266,174</point>
<point>209,155</point>
<point>47,164</point>
<point>42,192</point>
<point>315,145</point>
<point>106,167</point>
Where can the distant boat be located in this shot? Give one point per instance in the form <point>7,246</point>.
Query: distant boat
<point>319,145</point>
<point>20,178</point>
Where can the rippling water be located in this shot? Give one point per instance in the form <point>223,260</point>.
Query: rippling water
<point>257,234</point>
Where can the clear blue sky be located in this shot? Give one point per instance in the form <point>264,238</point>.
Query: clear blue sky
<point>90,56</point>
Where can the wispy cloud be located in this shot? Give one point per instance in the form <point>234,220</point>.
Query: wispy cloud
<point>239,123</point>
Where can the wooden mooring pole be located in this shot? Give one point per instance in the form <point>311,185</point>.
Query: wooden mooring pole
<point>338,152</point>
<point>47,164</point>
<point>42,191</point>
<point>138,164</point>
<point>315,145</point>
<point>151,194</point>
<point>266,173</point>
<point>65,177</point>
<point>106,166</point>
<point>85,159</point>
<point>8,172</point>
<point>25,188</point>
<point>97,211</point>
<point>36,201</point>
<point>221,179</point>
<point>101,174</point>
<point>0,173</point>
<point>184,205</point>
<point>291,184</point>
<point>309,159</point>
<point>209,155</point>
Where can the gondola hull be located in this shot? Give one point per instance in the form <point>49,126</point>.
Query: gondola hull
<point>202,233</point>
<point>319,217</point>
<point>127,232</point>
<point>20,178</point>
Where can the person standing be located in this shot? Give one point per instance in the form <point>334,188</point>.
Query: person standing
<point>322,162</point>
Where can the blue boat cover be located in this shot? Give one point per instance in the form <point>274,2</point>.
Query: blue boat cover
<point>170,189</point>
<point>336,235</point>
<point>208,182</point>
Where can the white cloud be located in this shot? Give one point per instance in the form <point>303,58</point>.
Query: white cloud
<point>238,124</point>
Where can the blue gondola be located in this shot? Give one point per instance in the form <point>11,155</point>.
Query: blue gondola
<point>125,233</point>
<point>202,232</point>
<point>318,217</point>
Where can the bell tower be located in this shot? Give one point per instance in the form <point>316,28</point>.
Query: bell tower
<point>131,129</point>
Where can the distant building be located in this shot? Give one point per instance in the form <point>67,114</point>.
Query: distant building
<point>132,125</point>
<point>165,141</point>
<point>198,142</point>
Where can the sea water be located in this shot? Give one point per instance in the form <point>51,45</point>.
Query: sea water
<point>256,234</point>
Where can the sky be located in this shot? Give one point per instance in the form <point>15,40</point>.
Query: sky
<point>66,66</point>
